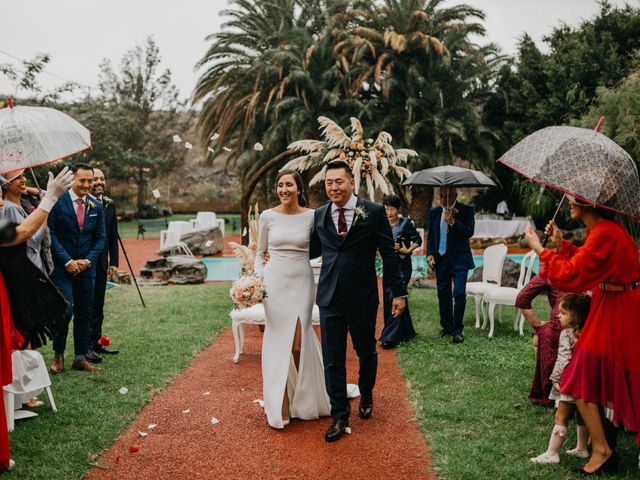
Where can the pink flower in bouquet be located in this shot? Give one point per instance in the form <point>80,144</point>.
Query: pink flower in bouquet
<point>247,291</point>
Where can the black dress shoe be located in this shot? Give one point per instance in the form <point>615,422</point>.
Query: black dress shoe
<point>443,333</point>
<point>458,338</point>
<point>365,409</point>
<point>104,350</point>
<point>336,430</point>
<point>93,357</point>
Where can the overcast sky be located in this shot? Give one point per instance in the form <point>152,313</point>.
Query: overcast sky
<point>78,34</point>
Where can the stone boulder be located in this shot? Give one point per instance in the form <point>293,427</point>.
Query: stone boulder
<point>178,269</point>
<point>510,274</point>
<point>201,242</point>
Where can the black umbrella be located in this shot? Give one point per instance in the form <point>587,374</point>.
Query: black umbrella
<point>450,175</point>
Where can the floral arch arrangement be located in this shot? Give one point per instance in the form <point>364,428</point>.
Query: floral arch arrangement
<point>370,160</point>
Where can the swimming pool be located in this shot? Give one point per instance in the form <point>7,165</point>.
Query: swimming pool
<point>228,268</point>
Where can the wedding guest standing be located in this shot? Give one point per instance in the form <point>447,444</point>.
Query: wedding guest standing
<point>604,370</point>
<point>451,226</point>
<point>107,263</point>
<point>399,328</point>
<point>12,235</point>
<point>77,240</point>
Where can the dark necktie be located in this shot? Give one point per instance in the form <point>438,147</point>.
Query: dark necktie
<point>342,223</point>
<point>80,213</point>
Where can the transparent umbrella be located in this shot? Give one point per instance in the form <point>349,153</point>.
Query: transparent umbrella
<point>32,136</point>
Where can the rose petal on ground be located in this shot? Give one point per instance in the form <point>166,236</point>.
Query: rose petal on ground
<point>134,449</point>
<point>207,393</point>
<point>143,434</point>
<point>347,430</point>
<point>151,426</point>
<point>177,139</point>
<point>186,411</point>
<point>123,391</point>
<point>214,421</point>
<point>259,402</point>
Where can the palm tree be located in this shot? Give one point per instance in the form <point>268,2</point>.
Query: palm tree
<point>430,80</point>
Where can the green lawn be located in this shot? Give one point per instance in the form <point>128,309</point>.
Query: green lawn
<point>129,229</point>
<point>156,344</point>
<point>472,400</point>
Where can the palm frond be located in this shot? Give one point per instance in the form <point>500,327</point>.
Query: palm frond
<point>308,146</point>
<point>356,136</point>
<point>333,133</point>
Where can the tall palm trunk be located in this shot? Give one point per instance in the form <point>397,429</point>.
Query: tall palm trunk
<point>421,200</point>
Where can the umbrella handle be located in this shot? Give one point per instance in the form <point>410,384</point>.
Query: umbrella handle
<point>546,237</point>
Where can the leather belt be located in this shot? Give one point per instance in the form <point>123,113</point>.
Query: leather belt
<point>610,287</point>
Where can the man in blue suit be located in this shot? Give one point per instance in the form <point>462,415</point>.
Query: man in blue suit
<point>449,253</point>
<point>77,230</point>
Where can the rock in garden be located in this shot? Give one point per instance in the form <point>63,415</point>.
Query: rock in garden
<point>178,269</point>
<point>201,242</point>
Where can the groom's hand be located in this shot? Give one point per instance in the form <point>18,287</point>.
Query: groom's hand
<point>398,306</point>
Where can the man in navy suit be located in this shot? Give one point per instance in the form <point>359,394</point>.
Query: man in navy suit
<point>347,233</point>
<point>107,264</point>
<point>77,230</point>
<point>448,251</point>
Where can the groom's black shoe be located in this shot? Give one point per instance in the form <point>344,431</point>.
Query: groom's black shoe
<point>365,409</point>
<point>336,430</point>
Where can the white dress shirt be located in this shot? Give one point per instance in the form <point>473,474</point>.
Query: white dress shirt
<point>349,212</point>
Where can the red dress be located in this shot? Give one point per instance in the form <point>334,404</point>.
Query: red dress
<point>10,340</point>
<point>605,367</point>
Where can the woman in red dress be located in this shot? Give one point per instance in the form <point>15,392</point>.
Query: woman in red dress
<point>605,367</point>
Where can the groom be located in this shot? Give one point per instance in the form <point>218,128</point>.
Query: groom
<point>347,232</point>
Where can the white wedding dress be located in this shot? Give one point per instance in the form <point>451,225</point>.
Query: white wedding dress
<point>288,279</point>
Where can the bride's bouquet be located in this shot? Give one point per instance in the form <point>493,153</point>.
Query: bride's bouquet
<point>247,291</point>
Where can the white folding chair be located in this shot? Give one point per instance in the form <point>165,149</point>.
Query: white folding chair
<point>496,295</point>
<point>493,261</point>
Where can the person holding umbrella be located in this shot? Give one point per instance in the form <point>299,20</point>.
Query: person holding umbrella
<point>598,178</point>
<point>605,368</point>
<point>451,226</point>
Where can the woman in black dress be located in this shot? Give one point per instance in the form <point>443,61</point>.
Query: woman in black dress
<point>399,329</point>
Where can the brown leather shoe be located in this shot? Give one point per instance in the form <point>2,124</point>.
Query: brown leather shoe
<point>58,364</point>
<point>84,366</point>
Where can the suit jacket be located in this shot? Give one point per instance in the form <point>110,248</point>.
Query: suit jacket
<point>110,255</point>
<point>67,241</point>
<point>458,235</point>
<point>351,261</point>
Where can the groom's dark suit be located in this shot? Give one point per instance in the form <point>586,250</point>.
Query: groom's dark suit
<point>348,294</point>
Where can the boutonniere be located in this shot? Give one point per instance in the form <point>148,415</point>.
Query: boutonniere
<point>106,200</point>
<point>90,204</point>
<point>360,213</point>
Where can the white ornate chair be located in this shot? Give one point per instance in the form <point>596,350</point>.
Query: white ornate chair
<point>496,295</point>
<point>493,261</point>
<point>254,315</point>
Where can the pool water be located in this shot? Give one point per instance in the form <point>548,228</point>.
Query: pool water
<point>228,268</point>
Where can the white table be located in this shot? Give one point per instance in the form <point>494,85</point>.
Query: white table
<point>499,228</point>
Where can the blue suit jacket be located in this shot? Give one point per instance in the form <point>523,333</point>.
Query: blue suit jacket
<point>351,261</point>
<point>458,248</point>
<point>67,241</point>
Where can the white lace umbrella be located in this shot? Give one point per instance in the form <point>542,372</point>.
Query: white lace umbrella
<point>32,136</point>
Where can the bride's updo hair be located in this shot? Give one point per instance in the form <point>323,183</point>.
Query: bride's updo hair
<point>302,192</point>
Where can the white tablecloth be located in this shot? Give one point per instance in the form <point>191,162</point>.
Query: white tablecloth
<point>498,228</point>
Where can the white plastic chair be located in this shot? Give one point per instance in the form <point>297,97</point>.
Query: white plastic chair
<point>174,232</point>
<point>495,295</point>
<point>30,376</point>
<point>206,220</point>
<point>493,261</point>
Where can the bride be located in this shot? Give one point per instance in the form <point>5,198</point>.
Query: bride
<point>292,371</point>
